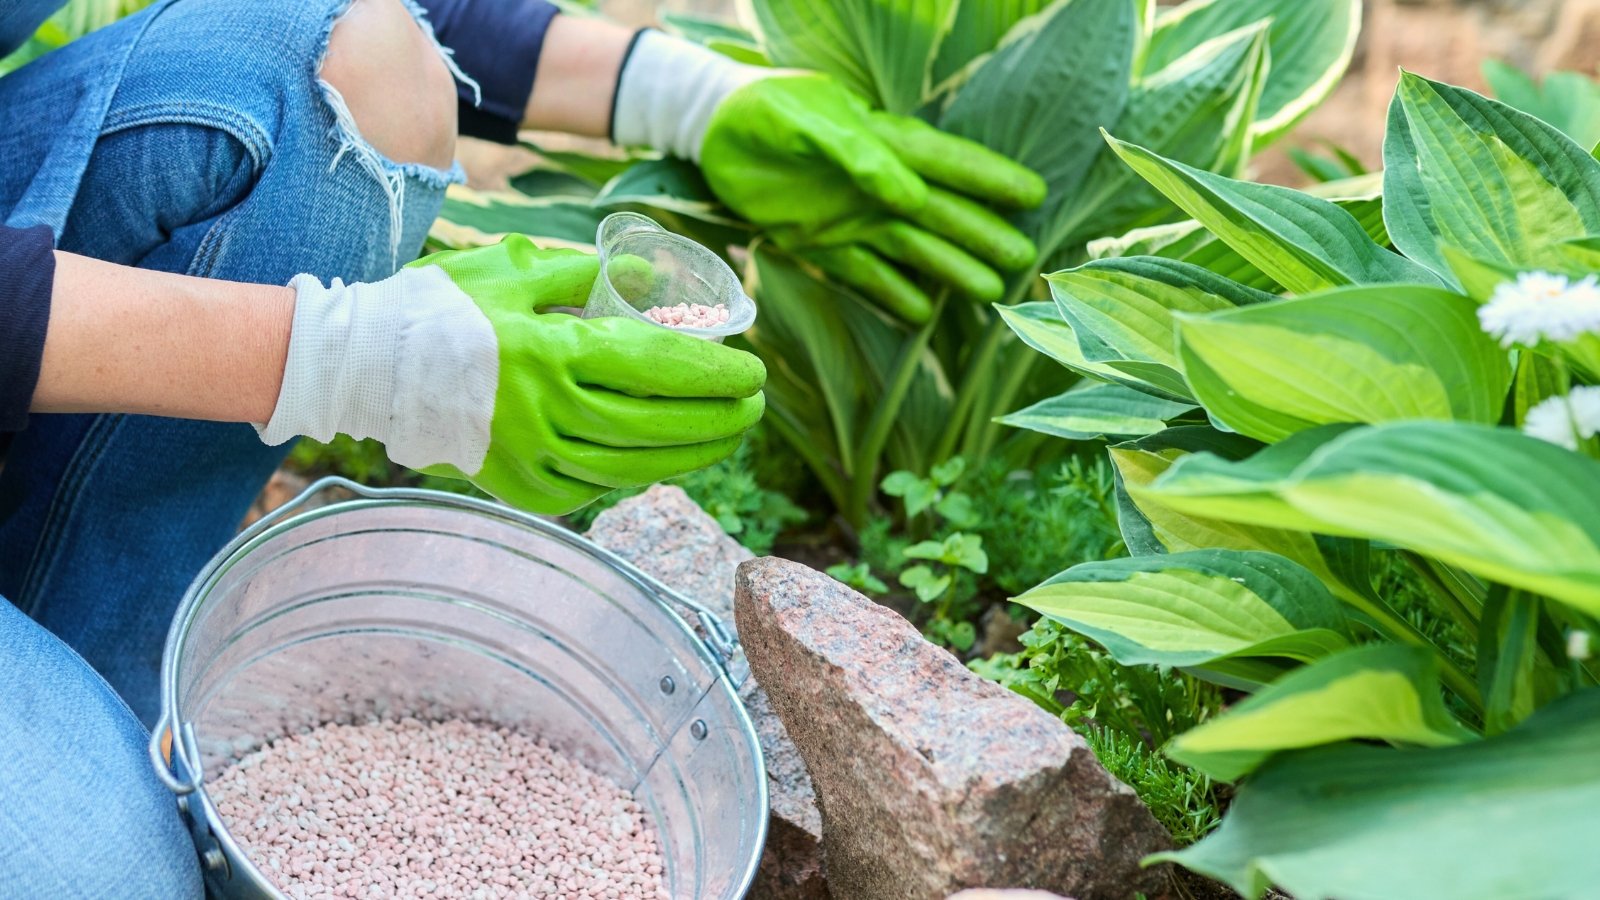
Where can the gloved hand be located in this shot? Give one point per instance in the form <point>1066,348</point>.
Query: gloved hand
<point>827,178</point>
<point>451,365</point>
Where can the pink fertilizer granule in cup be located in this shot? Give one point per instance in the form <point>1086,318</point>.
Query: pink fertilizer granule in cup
<point>689,315</point>
<point>452,809</point>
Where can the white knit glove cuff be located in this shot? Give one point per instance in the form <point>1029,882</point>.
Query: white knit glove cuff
<point>410,361</point>
<point>668,89</point>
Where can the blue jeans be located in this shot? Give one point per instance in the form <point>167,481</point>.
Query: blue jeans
<point>218,154</point>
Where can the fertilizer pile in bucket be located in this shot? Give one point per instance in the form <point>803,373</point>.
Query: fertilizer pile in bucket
<point>405,808</point>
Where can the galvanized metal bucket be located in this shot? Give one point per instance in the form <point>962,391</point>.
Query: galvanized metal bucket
<point>431,604</point>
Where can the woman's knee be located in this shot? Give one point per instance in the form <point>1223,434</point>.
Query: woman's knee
<point>395,83</point>
<point>85,815</point>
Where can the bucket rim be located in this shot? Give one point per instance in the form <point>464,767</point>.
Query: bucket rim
<point>718,649</point>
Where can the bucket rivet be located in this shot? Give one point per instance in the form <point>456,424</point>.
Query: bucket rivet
<point>183,805</point>
<point>668,685</point>
<point>697,729</point>
<point>214,858</point>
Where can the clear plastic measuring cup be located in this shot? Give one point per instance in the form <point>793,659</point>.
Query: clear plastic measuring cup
<point>643,266</point>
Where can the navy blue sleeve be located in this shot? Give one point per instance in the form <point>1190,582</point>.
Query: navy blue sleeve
<point>496,43</point>
<point>27,270</point>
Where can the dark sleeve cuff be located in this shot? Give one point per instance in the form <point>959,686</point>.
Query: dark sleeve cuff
<point>27,272</point>
<point>496,43</point>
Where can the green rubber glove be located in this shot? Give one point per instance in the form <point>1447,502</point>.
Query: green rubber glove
<point>854,190</point>
<point>456,365</point>
<point>586,406</point>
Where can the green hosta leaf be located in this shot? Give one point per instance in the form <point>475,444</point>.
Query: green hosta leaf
<point>1197,111</point>
<point>882,48</point>
<point>1569,101</point>
<point>596,170</point>
<point>1098,410</point>
<point>1039,103</point>
<point>1311,44</point>
<point>671,184</point>
<point>1492,501</point>
<point>1041,327</point>
<point>472,218</point>
<point>1302,242</point>
<point>1383,692</point>
<point>553,183</point>
<point>1150,527</point>
<point>701,29</point>
<point>979,26</point>
<point>1129,305</point>
<point>1234,615</point>
<point>1467,172</point>
<point>1189,241</point>
<point>1360,354</point>
<point>1511,816</point>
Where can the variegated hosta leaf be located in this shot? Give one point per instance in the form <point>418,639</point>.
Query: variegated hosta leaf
<point>978,29</point>
<point>1237,617</point>
<point>1302,242</point>
<point>1092,410</point>
<point>1148,526</point>
<point>1357,354</point>
<point>1040,104</point>
<point>1196,110</point>
<point>1466,172</point>
<point>1492,501</point>
<point>1123,313</point>
<point>471,218</point>
<point>1511,816</point>
<point>1387,692</point>
<point>1311,43</point>
<point>882,48</point>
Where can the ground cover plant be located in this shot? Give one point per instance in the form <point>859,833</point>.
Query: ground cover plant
<point>1357,472</point>
<point>858,392</point>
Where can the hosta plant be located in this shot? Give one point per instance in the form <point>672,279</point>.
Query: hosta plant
<point>1297,390</point>
<point>855,392</point>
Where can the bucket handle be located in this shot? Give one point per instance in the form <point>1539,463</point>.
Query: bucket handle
<point>159,756</point>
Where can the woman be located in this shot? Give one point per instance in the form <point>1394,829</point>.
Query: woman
<point>162,179</point>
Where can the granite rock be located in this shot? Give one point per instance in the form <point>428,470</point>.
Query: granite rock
<point>929,778</point>
<point>668,537</point>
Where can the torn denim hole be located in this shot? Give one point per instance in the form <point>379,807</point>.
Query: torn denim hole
<point>388,174</point>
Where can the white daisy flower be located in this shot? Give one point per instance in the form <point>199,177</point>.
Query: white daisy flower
<point>1542,306</point>
<point>1579,645</point>
<point>1566,420</point>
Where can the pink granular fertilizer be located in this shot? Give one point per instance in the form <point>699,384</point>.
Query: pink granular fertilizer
<point>689,315</point>
<point>401,809</point>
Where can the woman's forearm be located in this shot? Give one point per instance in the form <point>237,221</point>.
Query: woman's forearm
<point>129,340</point>
<point>577,76</point>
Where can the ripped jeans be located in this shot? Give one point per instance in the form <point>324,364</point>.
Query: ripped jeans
<point>220,155</point>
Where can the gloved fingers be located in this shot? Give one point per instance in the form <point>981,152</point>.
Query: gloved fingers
<point>631,467</point>
<point>632,276</point>
<point>618,420</point>
<point>958,163</point>
<point>871,164</point>
<point>926,252</point>
<point>517,274</point>
<point>876,280</point>
<point>644,360</point>
<point>547,492</point>
<point>977,229</point>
